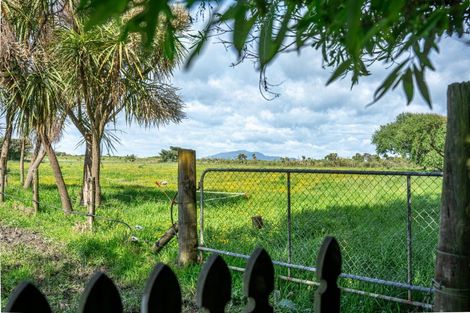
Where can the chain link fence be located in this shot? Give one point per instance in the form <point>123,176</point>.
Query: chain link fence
<point>386,222</point>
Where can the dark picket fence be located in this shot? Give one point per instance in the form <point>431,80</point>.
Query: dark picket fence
<point>163,294</point>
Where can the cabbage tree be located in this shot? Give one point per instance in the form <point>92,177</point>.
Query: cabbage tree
<point>108,75</point>
<point>31,87</point>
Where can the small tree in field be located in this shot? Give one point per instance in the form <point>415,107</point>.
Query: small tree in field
<point>332,157</point>
<point>358,157</point>
<point>242,157</point>
<point>14,153</point>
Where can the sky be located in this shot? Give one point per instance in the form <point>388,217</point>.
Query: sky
<point>226,111</point>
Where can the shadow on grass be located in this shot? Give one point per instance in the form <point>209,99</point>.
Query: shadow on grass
<point>60,277</point>
<point>373,242</point>
<point>135,193</point>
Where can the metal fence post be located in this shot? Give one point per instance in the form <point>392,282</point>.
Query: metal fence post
<point>36,190</point>
<point>201,211</point>
<point>409,242</point>
<point>187,215</point>
<point>289,224</point>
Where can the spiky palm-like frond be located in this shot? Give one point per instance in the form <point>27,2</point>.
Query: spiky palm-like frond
<point>110,75</point>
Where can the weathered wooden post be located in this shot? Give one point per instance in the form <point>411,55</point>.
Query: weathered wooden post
<point>187,219</point>
<point>36,190</point>
<point>91,208</point>
<point>453,253</point>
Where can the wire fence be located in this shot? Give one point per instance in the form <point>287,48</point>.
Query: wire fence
<point>386,223</point>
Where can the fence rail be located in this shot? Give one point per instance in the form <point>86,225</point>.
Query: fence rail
<point>386,223</point>
<point>162,292</point>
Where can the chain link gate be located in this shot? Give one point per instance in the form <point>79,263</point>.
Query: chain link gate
<point>386,223</point>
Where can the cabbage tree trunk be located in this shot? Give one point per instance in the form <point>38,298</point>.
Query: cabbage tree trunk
<point>62,188</point>
<point>41,153</point>
<point>96,166</point>
<point>4,154</point>
<point>86,171</point>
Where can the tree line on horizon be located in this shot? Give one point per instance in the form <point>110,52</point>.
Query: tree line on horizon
<point>412,140</point>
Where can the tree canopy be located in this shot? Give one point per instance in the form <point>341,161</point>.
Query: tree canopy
<point>415,136</point>
<point>52,67</point>
<point>351,34</point>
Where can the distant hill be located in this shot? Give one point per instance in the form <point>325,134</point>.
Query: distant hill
<point>232,155</point>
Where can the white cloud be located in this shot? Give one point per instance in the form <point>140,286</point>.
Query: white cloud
<point>225,110</point>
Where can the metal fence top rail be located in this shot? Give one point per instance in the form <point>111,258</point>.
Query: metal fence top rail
<point>320,171</point>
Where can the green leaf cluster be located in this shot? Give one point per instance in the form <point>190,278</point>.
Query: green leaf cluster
<point>351,34</point>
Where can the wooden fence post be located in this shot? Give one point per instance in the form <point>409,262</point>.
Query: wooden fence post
<point>187,223</point>
<point>453,253</point>
<point>36,190</point>
<point>91,209</point>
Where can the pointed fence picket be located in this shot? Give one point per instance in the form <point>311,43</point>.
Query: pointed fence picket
<point>162,292</point>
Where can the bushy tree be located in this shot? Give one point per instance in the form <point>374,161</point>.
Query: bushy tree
<point>332,157</point>
<point>358,157</point>
<point>242,157</point>
<point>14,153</point>
<point>416,136</point>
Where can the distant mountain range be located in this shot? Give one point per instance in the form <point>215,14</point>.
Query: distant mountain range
<point>232,155</point>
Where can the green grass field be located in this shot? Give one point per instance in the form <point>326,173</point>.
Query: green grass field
<point>367,215</point>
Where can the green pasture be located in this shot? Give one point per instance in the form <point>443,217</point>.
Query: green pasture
<point>366,213</point>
